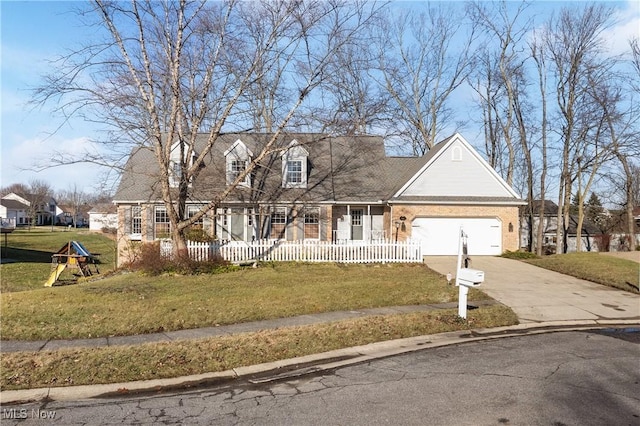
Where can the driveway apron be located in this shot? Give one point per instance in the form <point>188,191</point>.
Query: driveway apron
<point>539,295</point>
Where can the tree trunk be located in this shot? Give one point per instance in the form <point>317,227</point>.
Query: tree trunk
<point>580,222</point>
<point>631,232</point>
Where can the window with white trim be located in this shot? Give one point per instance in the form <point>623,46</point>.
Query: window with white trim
<point>161,224</point>
<point>356,217</point>
<point>293,173</point>
<point>236,168</point>
<point>136,220</point>
<point>312,224</point>
<point>177,171</point>
<point>191,211</point>
<point>278,223</point>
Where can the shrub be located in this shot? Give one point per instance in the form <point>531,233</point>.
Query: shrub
<point>151,262</point>
<point>184,265</point>
<point>198,235</point>
<point>519,255</point>
<point>109,230</point>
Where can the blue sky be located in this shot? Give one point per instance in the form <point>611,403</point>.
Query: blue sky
<point>32,33</point>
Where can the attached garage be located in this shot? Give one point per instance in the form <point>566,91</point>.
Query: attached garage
<point>440,235</point>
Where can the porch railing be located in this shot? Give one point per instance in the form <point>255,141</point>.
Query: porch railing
<point>376,251</point>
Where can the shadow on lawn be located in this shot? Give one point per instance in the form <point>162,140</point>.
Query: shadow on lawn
<point>10,254</point>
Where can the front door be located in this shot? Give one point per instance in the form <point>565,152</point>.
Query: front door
<point>237,224</point>
<point>356,224</point>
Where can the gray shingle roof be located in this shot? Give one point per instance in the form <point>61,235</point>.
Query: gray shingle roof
<point>340,169</point>
<point>13,204</point>
<point>343,168</point>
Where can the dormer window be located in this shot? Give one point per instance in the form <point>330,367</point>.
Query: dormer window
<point>293,173</point>
<point>175,166</point>
<point>236,167</point>
<point>237,160</point>
<point>294,166</point>
<point>176,171</point>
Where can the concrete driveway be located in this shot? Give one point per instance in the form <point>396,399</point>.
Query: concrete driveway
<point>539,295</point>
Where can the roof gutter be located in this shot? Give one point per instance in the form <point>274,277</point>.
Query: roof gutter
<point>464,203</point>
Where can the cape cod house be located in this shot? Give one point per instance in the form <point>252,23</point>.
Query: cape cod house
<point>332,188</point>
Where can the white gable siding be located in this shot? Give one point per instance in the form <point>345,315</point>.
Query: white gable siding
<point>457,171</point>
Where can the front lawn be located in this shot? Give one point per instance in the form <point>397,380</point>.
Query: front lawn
<point>607,270</point>
<point>131,303</point>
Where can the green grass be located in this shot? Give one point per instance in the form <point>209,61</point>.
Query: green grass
<point>131,303</point>
<point>607,270</point>
<point>161,360</point>
<point>32,249</point>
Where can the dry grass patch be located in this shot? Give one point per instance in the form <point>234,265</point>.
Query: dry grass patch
<point>135,304</point>
<point>163,360</point>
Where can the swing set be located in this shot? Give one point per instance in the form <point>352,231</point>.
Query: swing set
<point>75,256</point>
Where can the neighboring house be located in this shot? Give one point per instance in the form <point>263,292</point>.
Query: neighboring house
<point>325,188</point>
<point>590,234</point>
<point>617,238</point>
<point>44,210</point>
<point>103,216</point>
<point>77,216</point>
<point>15,210</point>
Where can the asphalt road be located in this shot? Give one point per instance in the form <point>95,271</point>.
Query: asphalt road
<point>561,378</point>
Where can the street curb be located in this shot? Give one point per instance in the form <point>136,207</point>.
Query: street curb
<point>299,366</point>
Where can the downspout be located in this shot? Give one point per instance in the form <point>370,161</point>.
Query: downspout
<point>390,220</point>
<point>370,231</point>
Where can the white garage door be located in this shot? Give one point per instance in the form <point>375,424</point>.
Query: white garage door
<point>440,235</point>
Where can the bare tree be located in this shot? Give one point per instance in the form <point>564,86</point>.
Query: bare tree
<point>574,44</point>
<point>424,57</point>
<point>76,199</point>
<point>537,53</point>
<point>634,44</point>
<point>39,196</point>
<point>169,71</point>
<point>501,80</point>
<point>590,157</point>
<point>618,100</point>
<point>352,103</point>
<point>16,188</point>
<point>502,85</point>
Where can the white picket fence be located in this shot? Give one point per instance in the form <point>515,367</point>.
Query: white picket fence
<point>378,251</point>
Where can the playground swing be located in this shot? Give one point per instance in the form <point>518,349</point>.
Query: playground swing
<point>72,255</point>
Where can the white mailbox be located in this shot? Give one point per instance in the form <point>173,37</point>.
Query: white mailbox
<point>466,278</point>
<point>470,277</point>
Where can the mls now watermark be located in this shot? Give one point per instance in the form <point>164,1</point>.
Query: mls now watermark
<point>23,414</point>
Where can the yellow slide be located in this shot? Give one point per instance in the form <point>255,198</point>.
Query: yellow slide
<point>55,274</point>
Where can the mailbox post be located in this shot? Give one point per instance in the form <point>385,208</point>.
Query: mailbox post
<point>465,277</point>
